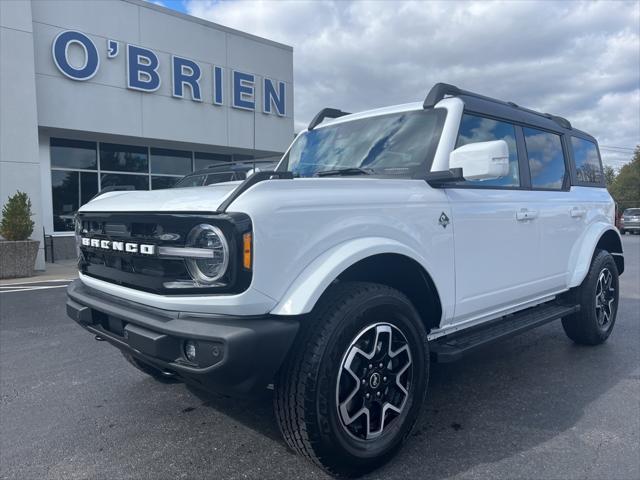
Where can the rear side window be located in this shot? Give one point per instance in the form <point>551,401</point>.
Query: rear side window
<point>546,159</point>
<point>474,129</point>
<point>588,166</point>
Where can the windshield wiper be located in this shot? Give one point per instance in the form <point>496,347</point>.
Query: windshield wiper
<point>345,171</point>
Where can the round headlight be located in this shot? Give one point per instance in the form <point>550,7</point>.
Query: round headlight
<point>208,270</point>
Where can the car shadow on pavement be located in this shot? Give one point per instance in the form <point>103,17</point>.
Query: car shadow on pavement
<point>496,404</point>
<point>255,412</point>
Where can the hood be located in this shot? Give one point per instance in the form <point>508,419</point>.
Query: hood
<point>192,199</point>
<point>303,193</point>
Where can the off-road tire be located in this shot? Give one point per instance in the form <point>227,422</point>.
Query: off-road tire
<point>306,389</point>
<point>583,327</point>
<point>150,370</point>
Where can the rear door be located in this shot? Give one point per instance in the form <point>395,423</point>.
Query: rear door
<point>496,235</point>
<point>562,213</point>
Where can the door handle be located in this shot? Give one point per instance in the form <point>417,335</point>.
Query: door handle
<point>525,214</point>
<point>577,212</point>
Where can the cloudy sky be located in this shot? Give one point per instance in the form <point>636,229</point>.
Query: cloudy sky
<point>580,60</point>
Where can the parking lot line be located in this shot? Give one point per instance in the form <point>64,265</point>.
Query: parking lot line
<point>28,288</point>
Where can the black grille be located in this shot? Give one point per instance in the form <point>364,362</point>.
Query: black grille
<point>150,273</point>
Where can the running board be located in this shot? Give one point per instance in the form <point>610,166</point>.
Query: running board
<point>452,347</point>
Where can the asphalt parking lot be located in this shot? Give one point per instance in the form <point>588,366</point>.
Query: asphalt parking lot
<point>534,407</point>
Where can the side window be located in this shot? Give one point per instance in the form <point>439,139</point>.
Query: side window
<point>475,129</point>
<point>546,159</point>
<point>585,154</point>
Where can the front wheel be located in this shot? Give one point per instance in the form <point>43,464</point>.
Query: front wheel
<point>598,299</point>
<point>353,385</point>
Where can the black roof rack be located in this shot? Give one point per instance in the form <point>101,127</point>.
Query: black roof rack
<point>440,90</point>
<point>325,113</point>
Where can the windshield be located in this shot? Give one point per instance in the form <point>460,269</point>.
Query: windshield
<point>401,144</point>
<point>632,211</point>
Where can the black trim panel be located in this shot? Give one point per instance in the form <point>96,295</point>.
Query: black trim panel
<point>150,273</point>
<point>250,349</point>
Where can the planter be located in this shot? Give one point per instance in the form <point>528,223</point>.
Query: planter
<point>17,259</point>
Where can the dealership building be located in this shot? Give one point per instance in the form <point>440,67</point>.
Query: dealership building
<point>96,94</point>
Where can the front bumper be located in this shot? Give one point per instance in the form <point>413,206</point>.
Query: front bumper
<point>631,226</point>
<point>235,355</point>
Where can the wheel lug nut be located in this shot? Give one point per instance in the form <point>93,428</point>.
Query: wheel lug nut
<point>381,365</point>
<point>364,380</point>
<point>370,366</point>
<point>378,394</point>
<point>367,396</point>
<point>384,379</point>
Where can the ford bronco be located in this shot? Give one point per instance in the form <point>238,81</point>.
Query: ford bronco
<point>382,241</point>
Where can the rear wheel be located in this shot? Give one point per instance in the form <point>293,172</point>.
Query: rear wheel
<point>353,385</point>
<point>598,299</point>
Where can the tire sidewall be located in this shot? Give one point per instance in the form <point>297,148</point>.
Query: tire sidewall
<point>602,260</point>
<point>364,312</point>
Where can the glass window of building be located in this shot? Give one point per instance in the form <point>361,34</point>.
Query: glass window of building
<point>69,190</point>
<point>204,160</point>
<point>74,180</point>
<point>138,182</point>
<point>546,159</point>
<point>75,154</point>
<point>123,158</point>
<point>165,162</point>
<point>475,129</point>
<point>80,169</point>
<point>170,162</point>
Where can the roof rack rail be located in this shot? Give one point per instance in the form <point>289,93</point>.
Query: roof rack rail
<point>326,113</point>
<point>441,90</point>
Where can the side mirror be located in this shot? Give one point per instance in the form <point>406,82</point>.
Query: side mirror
<point>482,161</point>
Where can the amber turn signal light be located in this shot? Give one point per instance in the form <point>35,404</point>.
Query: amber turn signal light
<point>246,250</point>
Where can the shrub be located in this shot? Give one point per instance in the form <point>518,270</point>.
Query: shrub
<point>16,223</point>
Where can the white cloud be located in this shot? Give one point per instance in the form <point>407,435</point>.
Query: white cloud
<point>580,60</point>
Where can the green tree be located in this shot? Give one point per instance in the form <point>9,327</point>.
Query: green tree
<point>609,175</point>
<point>16,223</point>
<point>625,189</point>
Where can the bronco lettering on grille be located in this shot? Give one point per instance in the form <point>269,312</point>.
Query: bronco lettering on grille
<point>128,247</point>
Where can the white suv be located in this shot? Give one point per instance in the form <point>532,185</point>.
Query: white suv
<point>384,241</point>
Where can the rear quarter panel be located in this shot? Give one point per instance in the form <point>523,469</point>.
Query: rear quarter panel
<point>600,212</point>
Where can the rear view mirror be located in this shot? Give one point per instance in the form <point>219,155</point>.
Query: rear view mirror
<point>482,161</point>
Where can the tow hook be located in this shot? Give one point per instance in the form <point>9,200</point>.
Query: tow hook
<point>98,338</point>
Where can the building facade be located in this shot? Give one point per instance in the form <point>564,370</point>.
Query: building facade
<point>96,94</point>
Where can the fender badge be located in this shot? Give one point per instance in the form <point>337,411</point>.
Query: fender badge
<point>443,220</point>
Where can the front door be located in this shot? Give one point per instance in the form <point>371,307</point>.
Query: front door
<point>497,238</point>
<point>496,230</point>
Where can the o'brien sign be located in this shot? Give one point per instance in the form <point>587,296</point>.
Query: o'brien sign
<point>142,74</point>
